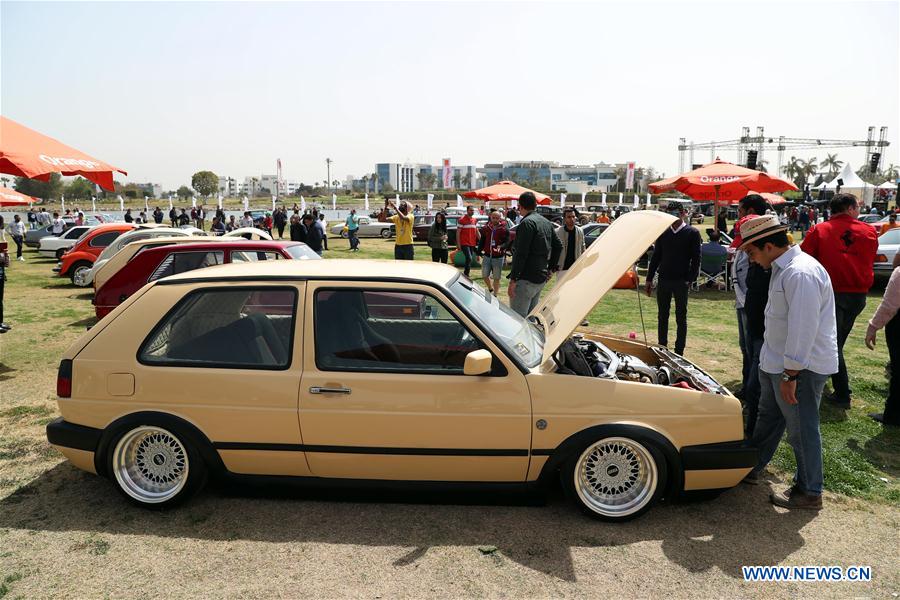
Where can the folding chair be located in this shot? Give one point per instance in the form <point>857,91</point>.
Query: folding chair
<point>713,269</point>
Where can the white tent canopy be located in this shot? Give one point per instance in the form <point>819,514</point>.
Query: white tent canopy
<point>851,184</point>
<point>887,185</point>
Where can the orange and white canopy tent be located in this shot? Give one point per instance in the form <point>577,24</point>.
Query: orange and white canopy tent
<point>505,191</point>
<point>723,182</point>
<point>773,199</point>
<point>10,197</point>
<point>27,153</point>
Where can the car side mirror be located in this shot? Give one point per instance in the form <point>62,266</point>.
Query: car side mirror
<point>478,362</point>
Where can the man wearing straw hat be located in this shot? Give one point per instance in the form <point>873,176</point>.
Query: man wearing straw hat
<point>799,353</point>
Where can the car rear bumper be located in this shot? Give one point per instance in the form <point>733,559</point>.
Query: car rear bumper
<point>63,434</point>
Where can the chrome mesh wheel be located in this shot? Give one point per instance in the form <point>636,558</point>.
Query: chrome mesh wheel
<point>79,277</point>
<point>150,464</point>
<point>615,477</point>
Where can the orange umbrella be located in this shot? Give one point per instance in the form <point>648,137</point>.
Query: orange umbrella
<point>27,153</point>
<point>504,191</point>
<point>10,197</point>
<point>772,199</point>
<point>722,182</point>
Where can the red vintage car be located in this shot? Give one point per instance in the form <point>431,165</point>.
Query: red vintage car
<point>156,262</point>
<point>77,261</point>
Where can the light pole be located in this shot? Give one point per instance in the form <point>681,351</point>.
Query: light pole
<point>328,162</point>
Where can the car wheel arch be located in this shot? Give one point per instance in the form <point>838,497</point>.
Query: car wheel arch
<point>576,443</point>
<point>192,432</point>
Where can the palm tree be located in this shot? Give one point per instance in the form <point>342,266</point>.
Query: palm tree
<point>375,182</point>
<point>832,164</point>
<point>456,179</point>
<point>891,172</point>
<point>761,165</point>
<point>467,180</point>
<point>365,179</point>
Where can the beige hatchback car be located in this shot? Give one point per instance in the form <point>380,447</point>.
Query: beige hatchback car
<point>363,370</point>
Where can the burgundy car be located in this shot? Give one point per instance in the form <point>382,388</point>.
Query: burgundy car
<point>157,262</point>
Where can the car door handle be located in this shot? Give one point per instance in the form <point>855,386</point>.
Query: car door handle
<point>329,390</point>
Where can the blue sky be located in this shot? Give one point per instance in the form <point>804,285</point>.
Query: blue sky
<point>166,89</point>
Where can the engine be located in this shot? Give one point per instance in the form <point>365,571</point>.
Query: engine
<point>671,369</point>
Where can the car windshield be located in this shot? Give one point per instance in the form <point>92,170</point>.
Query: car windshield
<point>519,336</point>
<point>890,237</point>
<point>302,252</point>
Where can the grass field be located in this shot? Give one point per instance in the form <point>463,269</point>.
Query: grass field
<point>65,533</point>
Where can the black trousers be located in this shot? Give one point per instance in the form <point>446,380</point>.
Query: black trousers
<point>404,252</point>
<point>280,228</point>
<point>439,255</point>
<point>892,404</point>
<point>665,291</point>
<point>846,308</point>
<point>18,239</point>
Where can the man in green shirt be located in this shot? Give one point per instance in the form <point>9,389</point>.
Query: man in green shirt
<point>352,224</point>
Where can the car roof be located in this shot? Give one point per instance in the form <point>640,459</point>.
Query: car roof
<point>198,243</point>
<point>341,269</point>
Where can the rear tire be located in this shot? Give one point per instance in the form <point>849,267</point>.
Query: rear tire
<point>385,233</point>
<point>615,478</point>
<point>345,235</point>
<point>155,467</point>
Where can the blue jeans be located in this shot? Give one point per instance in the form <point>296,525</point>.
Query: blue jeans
<point>469,254</point>
<point>526,297</point>
<point>752,387</point>
<point>354,238</point>
<point>801,421</point>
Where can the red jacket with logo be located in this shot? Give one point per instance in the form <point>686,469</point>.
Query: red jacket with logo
<point>493,240</point>
<point>467,231</point>
<point>846,247</point>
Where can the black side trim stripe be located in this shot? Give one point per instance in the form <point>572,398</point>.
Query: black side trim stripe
<point>542,451</point>
<point>725,455</point>
<point>370,449</point>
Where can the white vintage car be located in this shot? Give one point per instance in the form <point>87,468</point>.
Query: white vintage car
<point>53,246</point>
<point>367,228</point>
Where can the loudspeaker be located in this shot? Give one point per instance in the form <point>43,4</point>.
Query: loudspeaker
<point>873,163</point>
<point>751,159</point>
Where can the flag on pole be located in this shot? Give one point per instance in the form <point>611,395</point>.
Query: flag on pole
<point>514,203</point>
<point>333,201</point>
<point>93,204</point>
<point>637,201</point>
<point>583,198</point>
<point>246,204</point>
<point>603,200</point>
<point>430,201</point>
<point>146,204</point>
<point>459,201</point>
<point>648,199</point>
<point>171,206</point>
<point>193,202</point>
<point>562,200</point>
<point>367,202</point>
<point>121,203</point>
<point>302,204</point>
<point>62,199</point>
<point>220,201</point>
<point>621,197</point>
<point>397,199</point>
<point>274,199</point>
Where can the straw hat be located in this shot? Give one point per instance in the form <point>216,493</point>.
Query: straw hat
<point>760,227</point>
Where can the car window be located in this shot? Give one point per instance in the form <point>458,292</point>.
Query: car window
<point>378,330</point>
<point>75,233</point>
<point>302,252</point>
<point>595,232</point>
<point>103,240</point>
<point>250,256</point>
<point>181,262</point>
<point>234,328</point>
<point>890,237</point>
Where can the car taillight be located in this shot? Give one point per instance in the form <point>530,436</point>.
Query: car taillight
<point>64,379</point>
<point>880,258</point>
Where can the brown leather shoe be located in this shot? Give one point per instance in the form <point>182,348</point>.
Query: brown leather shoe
<point>791,498</point>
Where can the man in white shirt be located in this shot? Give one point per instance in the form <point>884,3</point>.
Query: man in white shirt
<point>58,226</point>
<point>799,353</point>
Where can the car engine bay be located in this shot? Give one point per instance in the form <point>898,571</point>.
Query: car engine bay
<point>593,358</point>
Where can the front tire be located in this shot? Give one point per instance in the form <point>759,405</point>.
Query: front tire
<point>78,272</point>
<point>615,478</point>
<point>154,467</point>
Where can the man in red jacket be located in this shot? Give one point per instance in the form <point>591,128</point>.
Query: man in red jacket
<point>492,247</point>
<point>846,247</point>
<point>467,236</point>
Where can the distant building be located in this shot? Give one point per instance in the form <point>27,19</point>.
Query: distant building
<point>547,174</point>
<point>412,177</point>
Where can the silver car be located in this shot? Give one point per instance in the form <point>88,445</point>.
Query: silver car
<point>367,228</point>
<point>888,244</point>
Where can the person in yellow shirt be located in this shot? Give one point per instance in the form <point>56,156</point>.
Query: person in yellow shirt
<point>891,224</point>
<point>403,223</point>
<point>602,218</point>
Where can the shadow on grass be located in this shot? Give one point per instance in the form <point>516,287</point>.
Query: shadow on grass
<point>85,322</point>
<point>881,450</point>
<point>698,536</point>
<point>6,372</point>
<point>84,296</point>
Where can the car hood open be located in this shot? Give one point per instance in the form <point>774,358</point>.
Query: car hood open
<point>594,273</point>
